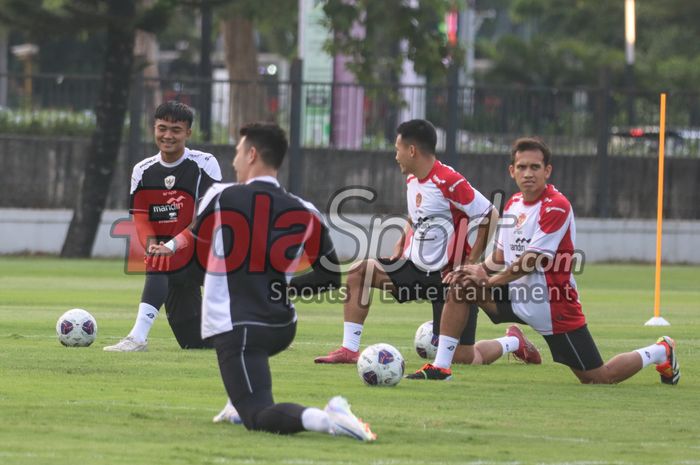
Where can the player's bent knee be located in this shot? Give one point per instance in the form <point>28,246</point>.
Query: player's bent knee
<point>282,418</point>
<point>356,273</point>
<point>188,335</point>
<point>362,273</point>
<point>495,318</point>
<point>196,345</point>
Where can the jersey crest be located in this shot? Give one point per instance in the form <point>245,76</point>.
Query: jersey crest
<point>169,181</point>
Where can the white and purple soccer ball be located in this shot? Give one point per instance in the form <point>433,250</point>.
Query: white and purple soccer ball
<point>425,342</point>
<point>76,328</point>
<point>380,365</point>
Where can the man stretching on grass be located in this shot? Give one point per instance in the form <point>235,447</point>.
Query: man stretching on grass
<point>250,237</point>
<point>529,280</point>
<point>441,204</point>
<point>165,189</point>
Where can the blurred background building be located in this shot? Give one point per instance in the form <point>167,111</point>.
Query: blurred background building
<point>339,76</point>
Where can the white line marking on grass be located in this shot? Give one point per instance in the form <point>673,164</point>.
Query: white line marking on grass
<point>111,403</point>
<point>27,454</point>
<point>422,462</point>
<point>526,436</point>
<point>170,338</point>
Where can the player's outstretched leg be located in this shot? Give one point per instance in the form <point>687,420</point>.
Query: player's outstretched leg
<point>623,366</point>
<point>669,370</point>
<point>286,418</point>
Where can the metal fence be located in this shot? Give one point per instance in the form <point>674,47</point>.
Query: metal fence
<point>580,121</point>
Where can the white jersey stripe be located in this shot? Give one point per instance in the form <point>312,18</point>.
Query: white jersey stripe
<point>216,301</point>
<point>245,368</point>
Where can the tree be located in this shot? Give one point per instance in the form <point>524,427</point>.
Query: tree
<point>376,55</point>
<point>572,43</point>
<point>240,21</point>
<point>119,19</point>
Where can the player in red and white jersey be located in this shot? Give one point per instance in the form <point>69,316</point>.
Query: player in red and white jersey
<point>544,226</point>
<point>441,204</point>
<point>529,280</point>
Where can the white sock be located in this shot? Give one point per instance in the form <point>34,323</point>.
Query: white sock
<point>144,320</point>
<point>352,333</point>
<point>313,419</point>
<point>509,344</point>
<point>446,351</point>
<point>655,353</point>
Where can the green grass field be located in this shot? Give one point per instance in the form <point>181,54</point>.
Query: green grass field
<point>83,405</point>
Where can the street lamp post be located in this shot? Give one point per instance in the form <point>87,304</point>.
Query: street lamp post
<point>630,38</point>
<point>25,53</point>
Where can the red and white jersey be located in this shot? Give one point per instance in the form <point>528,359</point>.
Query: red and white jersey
<point>440,206</point>
<point>547,298</point>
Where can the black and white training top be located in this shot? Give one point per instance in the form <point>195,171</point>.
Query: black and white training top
<point>250,239</point>
<point>168,192</point>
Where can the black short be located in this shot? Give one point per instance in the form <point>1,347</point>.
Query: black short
<point>575,349</point>
<point>504,308</point>
<point>411,283</point>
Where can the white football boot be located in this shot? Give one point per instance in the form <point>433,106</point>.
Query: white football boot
<point>128,344</point>
<point>345,423</point>
<point>228,414</point>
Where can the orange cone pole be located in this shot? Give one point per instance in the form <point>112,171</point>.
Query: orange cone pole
<point>658,320</point>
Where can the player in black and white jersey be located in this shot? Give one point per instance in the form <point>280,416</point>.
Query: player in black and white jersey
<point>164,191</point>
<point>250,238</point>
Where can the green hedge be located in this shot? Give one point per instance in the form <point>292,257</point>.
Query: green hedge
<point>46,122</point>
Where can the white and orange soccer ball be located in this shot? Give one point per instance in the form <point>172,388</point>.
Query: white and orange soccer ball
<point>380,365</point>
<point>76,328</point>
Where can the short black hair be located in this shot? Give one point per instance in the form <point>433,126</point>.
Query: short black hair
<point>530,143</point>
<point>268,139</point>
<point>174,111</point>
<point>420,133</point>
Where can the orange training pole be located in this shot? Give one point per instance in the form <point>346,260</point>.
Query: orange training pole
<point>658,320</point>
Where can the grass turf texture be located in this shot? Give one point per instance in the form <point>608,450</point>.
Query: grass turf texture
<point>82,405</point>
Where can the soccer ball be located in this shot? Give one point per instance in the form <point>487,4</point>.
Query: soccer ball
<point>76,328</point>
<point>380,365</point>
<point>425,342</point>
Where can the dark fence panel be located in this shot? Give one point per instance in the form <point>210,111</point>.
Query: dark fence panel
<point>354,117</point>
<point>42,172</point>
<point>344,134</point>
